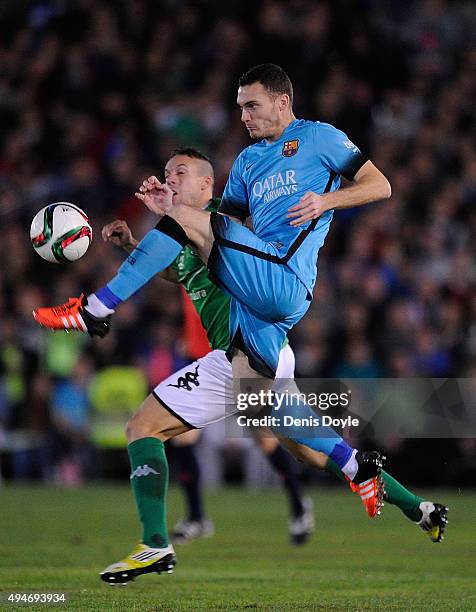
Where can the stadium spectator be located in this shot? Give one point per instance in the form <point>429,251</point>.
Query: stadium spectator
<point>70,416</point>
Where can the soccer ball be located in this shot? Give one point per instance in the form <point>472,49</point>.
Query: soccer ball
<point>60,232</point>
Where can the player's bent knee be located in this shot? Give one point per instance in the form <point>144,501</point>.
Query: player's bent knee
<point>188,438</point>
<point>196,225</point>
<point>136,429</point>
<point>189,219</point>
<point>152,419</point>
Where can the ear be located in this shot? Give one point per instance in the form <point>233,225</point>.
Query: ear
<point>283,102</point>
<point>207,182</point>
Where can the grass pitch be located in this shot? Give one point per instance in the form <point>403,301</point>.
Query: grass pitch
<point>54,540</point>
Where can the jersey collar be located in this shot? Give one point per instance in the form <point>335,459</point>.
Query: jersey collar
<point>283,135</point>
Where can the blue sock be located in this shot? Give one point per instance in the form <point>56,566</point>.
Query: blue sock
<point>155,252</point>
<point>319,437</point>
<point>107,297</point>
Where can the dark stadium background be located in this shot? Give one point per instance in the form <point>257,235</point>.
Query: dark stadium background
<point>93,98</point>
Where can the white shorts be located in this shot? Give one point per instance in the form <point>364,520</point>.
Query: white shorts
<point>202,392</point>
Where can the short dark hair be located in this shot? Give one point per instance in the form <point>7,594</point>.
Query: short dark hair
<point>190,152</point>
<point>272,77</point>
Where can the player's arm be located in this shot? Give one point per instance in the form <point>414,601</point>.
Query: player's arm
<point>119,233</point>
<point>342,157</point>
<point>368,185</point>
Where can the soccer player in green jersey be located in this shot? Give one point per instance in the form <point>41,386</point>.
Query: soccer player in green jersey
<point>200,394</point>
<point>213,307</point>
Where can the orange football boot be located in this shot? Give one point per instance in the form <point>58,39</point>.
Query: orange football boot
<point>368,482</point>
<point>72,316</point>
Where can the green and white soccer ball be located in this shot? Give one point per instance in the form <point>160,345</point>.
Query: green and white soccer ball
<point>60,232</point>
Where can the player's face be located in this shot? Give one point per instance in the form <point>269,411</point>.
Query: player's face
<point>261,112</point>
<point>185,176</point>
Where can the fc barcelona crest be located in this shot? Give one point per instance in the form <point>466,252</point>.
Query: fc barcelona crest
<point>290,148</point>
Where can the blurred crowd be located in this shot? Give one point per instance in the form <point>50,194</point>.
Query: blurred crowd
<point>94,95</point>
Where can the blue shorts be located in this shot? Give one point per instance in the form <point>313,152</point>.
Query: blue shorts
<point>268,298</point>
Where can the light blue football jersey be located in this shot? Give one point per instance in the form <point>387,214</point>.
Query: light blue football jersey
<point>267,178</point>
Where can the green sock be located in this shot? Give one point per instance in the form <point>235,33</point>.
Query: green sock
<point>395,493</point>
<point>149,479</point>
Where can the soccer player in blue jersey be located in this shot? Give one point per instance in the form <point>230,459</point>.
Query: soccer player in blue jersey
<point>288,182</point>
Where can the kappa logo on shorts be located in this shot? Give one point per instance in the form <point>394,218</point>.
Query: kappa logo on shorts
<point>185,382</point>
<point>290,147</point>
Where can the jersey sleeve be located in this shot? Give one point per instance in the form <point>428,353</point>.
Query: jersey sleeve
<point>339,153</point>
<point>234,201</point>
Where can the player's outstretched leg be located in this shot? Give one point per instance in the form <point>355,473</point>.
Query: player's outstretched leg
<point>196,525</point>
<point>362,468</point>
<point>431,517</point>
<point>298,423</point>
<point>146,432</point>
<point>154,253</point>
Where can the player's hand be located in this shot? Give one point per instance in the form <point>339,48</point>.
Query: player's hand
<point>310,206</point>
<point>119,233</point>
<point>157,196</point>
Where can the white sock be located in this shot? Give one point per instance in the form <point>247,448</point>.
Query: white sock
<point>97,308</point>
<point>351,467</point>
